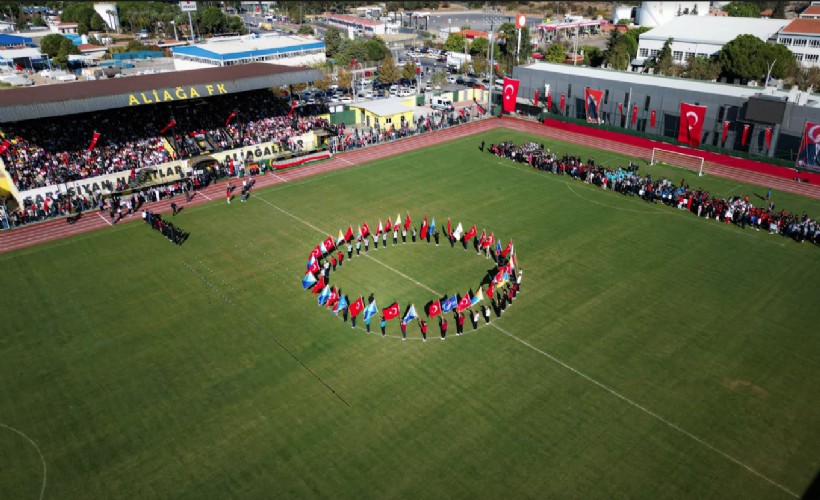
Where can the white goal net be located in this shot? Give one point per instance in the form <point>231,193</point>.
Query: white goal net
<point>666,157</point>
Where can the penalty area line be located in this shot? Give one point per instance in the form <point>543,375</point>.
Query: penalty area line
<point>646,411</point>
<point>104,219</point>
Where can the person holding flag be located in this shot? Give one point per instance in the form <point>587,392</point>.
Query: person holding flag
<point>474,319</point>
<point>382,324</point>
<point>423,328</point>
<point>442,324</point>
<point>423,230</point>
<point>355,308</point>
<point>396,234</point>
<point>432,229</point>
<point>369,312</point>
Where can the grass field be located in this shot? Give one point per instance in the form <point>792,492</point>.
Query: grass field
<point>650,354</point>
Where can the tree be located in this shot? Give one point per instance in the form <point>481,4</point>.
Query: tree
<point>439,78</point>
<point>593,56</point>
<point>409,70</point>
<point>464,68</point>
<point>555,53</point>
<point>464,27</point>
<point>455,43</point>
<point>742,9</point>
<point>663,63</point>
<point>211,20</point>
<point>324,83</point>
<point>345,78</point>
<point>479,46</point>
<point>351,50</point>
<point>82,29</point>
<point>97,23</point>
<point>376,49</point>
<point>779,11</point>
<point>808,78</point>
<point>388,71</point>
<point>305,29</point>
<point>480,64</point>
<point>67,48</point>
<point>747,58</point>
<point>50,44</point>
<point>511,34</point>
<point>296,12</point>
<point>333,40</point>
<point>392,6</point>
<point>701,68</point>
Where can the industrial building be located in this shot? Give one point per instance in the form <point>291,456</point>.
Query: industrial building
<point>283,50</point>
<point>652,14</point>
<point>785,113</point>
<point>802,37</point>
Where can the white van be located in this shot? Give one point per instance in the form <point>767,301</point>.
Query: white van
<point>441,102</point>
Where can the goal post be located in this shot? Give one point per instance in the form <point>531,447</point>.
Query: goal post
<point>664,156</point>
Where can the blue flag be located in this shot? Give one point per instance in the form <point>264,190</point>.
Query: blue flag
<point>324,295</point>
<point>432,225</point>
<point>311,261</point>
<point>370,310</point>
<point>411,315</point>
<point>308,281</point>
<point>449,304</point>
<point>340,304</point>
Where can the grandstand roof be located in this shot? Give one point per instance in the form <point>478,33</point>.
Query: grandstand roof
<point>14,40</point>
<point>82,97</point>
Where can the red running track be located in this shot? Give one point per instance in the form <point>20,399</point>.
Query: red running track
<point>54,229</point>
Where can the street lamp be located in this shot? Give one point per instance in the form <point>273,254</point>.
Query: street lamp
<point>492,21</point>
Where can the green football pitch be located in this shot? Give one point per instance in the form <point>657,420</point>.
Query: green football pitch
<point>650,354</point>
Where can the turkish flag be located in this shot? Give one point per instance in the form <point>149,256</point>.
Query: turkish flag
<point>365,229</point>
<point>424,228</point>
<point>388,226</point>
<point>561,104</point>
<point>592,104</point>
<point>725,131</point>
<point>621,108</point>
<point>349,234</point>
<point>314,267</point>
<point>471,233</point>
<point>634,114</point>
<point>464,303</point>
<point>230,117</point>
<point>506,249</point>
<point>535,99</point>
<point>4,146</point>
<point>292,107</point>
<point>745,135</point>
<point>316,252</point>
<point>768,137</point>
<point>691,123</point>
<point>449,228</point>
<point>407,222</point>
<point>320,285</point>
<point>549,101</point>
<point>510,94</point>
<point>435,309</point>
<point>652,117</point>
<point>170,124</point>
<point>488,242</point>
<point>356,307</point>
<point>391,311</point>
<point>333,298</point>
<point>94,139</point>
<point>329,245</point>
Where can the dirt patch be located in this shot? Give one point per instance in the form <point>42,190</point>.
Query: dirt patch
<point>744,385</point>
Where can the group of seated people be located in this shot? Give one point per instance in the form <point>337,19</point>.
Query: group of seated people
<point>53,151</point>
<point>739,210</point>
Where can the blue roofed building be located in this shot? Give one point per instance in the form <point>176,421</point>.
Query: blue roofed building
<point>287,50</point>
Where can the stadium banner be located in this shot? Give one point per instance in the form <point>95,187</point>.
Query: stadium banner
<point>307,142</point>
<point>808,156</point>
<point>107,184</point>
<point>592,104</point>
<point>172,94</point>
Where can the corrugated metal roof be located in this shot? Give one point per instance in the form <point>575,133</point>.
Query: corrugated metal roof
<point>713,29</point>
<point>240,49</point>
<point>86,96</point>
<point>384,107</point>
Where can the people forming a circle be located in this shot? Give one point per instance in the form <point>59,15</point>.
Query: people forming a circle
<point>494,292</point>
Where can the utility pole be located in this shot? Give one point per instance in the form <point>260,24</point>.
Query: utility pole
<point>492,20</point>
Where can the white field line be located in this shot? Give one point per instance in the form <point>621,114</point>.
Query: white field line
<point>279,177</point>
<point>205,195</point>
<point>646,410</point>
<point>589,379</point>
<point>37,449</point>
<point>104,219</point>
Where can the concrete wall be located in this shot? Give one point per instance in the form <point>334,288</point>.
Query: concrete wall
<point>786,135</point>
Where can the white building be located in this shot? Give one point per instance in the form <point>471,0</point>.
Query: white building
<point>802,37</point>
<point>109,13</point>
<point>360,25</point>
<point>703,36</point>
<point>272,49</point>
<point>652,14</point>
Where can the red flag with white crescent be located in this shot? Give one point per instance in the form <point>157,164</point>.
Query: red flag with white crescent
<point>391,311</point>
<point>464,303</point>
<point>435,309</point>
<point>690,129</point>
<point>510,94</point>
<point>356,307</point>
<point>94,139</point>
<point>292,107</point>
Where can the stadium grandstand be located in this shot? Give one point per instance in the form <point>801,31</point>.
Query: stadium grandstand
<point>70,147</point>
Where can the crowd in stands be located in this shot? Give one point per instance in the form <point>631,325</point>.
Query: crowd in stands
<point>53,151</point>
<point>739,210</point>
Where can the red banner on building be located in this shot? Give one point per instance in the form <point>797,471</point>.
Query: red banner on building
<point>808,156</point>
<point>745,135</point>
<point>549,101</point>
<point>725,131</point>
<point>652,118</point>
<point>768,137</point>
<point>535,98</point>
<point>563,101</point>
<point>690,128</point>
<point>592,104</point>
<point>634,114</point>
